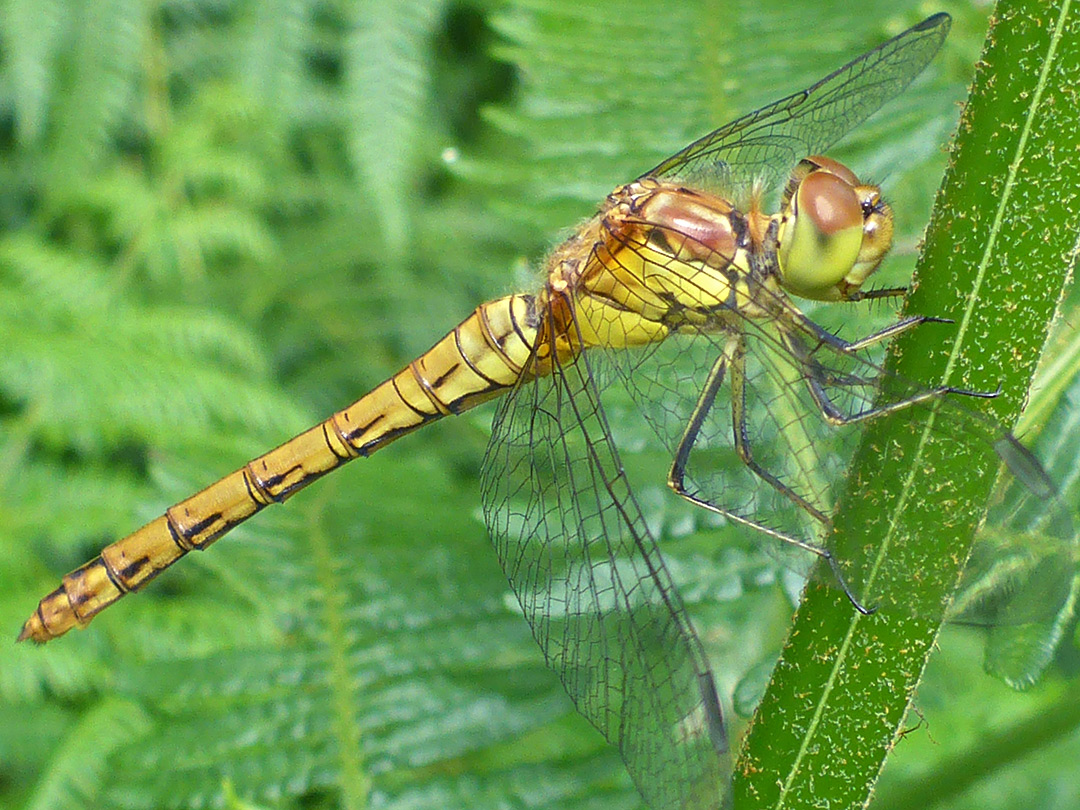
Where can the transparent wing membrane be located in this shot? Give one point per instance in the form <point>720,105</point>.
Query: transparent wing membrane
<point>766,435</point>
<point>1023,579</point>
<point>763,146</point>
<point>592,584</point>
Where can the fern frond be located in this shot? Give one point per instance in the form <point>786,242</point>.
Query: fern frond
<point>100,59</point>
<point>32,32</point>
<point>593,115</point>
<point>382,672</point>
<point>81,766</point>
<point>387,73</point>
<point>271,57</point>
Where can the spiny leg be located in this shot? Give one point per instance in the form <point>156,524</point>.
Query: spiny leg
<point>798,322</point>
<point>825,337</point>
<point>818,378</point>
<point>677,474</point>
<point>1018,458</point>
<point>742,436</point>
<point>892,330</point>
<point>869,295</point>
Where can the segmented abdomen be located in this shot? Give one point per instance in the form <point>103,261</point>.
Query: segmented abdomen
<point>479,359</point>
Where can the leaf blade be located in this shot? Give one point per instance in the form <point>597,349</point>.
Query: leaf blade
<point>840,692</point>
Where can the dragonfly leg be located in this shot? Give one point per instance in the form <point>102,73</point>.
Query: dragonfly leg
<point>733,358</point>
<point>868,295</point>
<point>742,437</point>
<point>732,355</point>
<point>801,324</point>
<point>827,338</point>
<point>819,378</point>
<point>675,481</point>
<point>834,416</point>
<point>677,474</point>
<point>893,330</point>
<point>824,336</point>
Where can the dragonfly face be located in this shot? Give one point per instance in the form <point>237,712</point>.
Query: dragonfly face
<point>834,231</point>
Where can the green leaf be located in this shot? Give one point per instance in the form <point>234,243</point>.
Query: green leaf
<point>1001,245</point>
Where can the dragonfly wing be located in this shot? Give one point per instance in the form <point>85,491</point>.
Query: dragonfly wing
<point>594,587</point>
<point>763,146</point>
<point>1025,593</point>
<point>1023,578</point>
<point>795,405</point>
<point>779,424</point>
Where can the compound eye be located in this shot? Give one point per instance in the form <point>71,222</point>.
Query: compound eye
<point>834,167</point>
<point>821,239</point>
<point>830,202</point>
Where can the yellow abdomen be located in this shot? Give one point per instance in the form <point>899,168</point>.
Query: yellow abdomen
<point>479,359</point>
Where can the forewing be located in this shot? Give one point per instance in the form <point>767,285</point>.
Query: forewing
<point>591,582</point>
<point>763,146</point>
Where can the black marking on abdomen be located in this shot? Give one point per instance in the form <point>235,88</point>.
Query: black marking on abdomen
<point>131,571</point>
<point>489,337</point>
<point>114,577</point>
<point>385,438</point>
<point>78,599</point>
<point>198,528</point>
<point>332,421</point>
<point>352,434</point>
<point>176,535</point>
<point>468,361</point>
<point>270,483</point>
<point>254,488</point>
<point>287,492</point>
<point>461,404</point>
<point>444,376</point>
<point>405,402</point>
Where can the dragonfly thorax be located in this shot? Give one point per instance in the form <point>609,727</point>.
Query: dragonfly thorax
<point>834,231</point>
<point>664,259</point>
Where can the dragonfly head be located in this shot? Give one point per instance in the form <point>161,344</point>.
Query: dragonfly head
<point>834,231</point>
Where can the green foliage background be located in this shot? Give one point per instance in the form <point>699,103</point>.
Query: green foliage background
<point>223,220</point>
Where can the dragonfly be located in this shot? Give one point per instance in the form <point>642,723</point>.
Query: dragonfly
<point>678,293</point>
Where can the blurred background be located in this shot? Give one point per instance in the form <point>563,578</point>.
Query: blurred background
<point>223,220</point>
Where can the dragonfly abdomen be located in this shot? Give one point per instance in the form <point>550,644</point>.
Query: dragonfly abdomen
<point>479,359</point>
